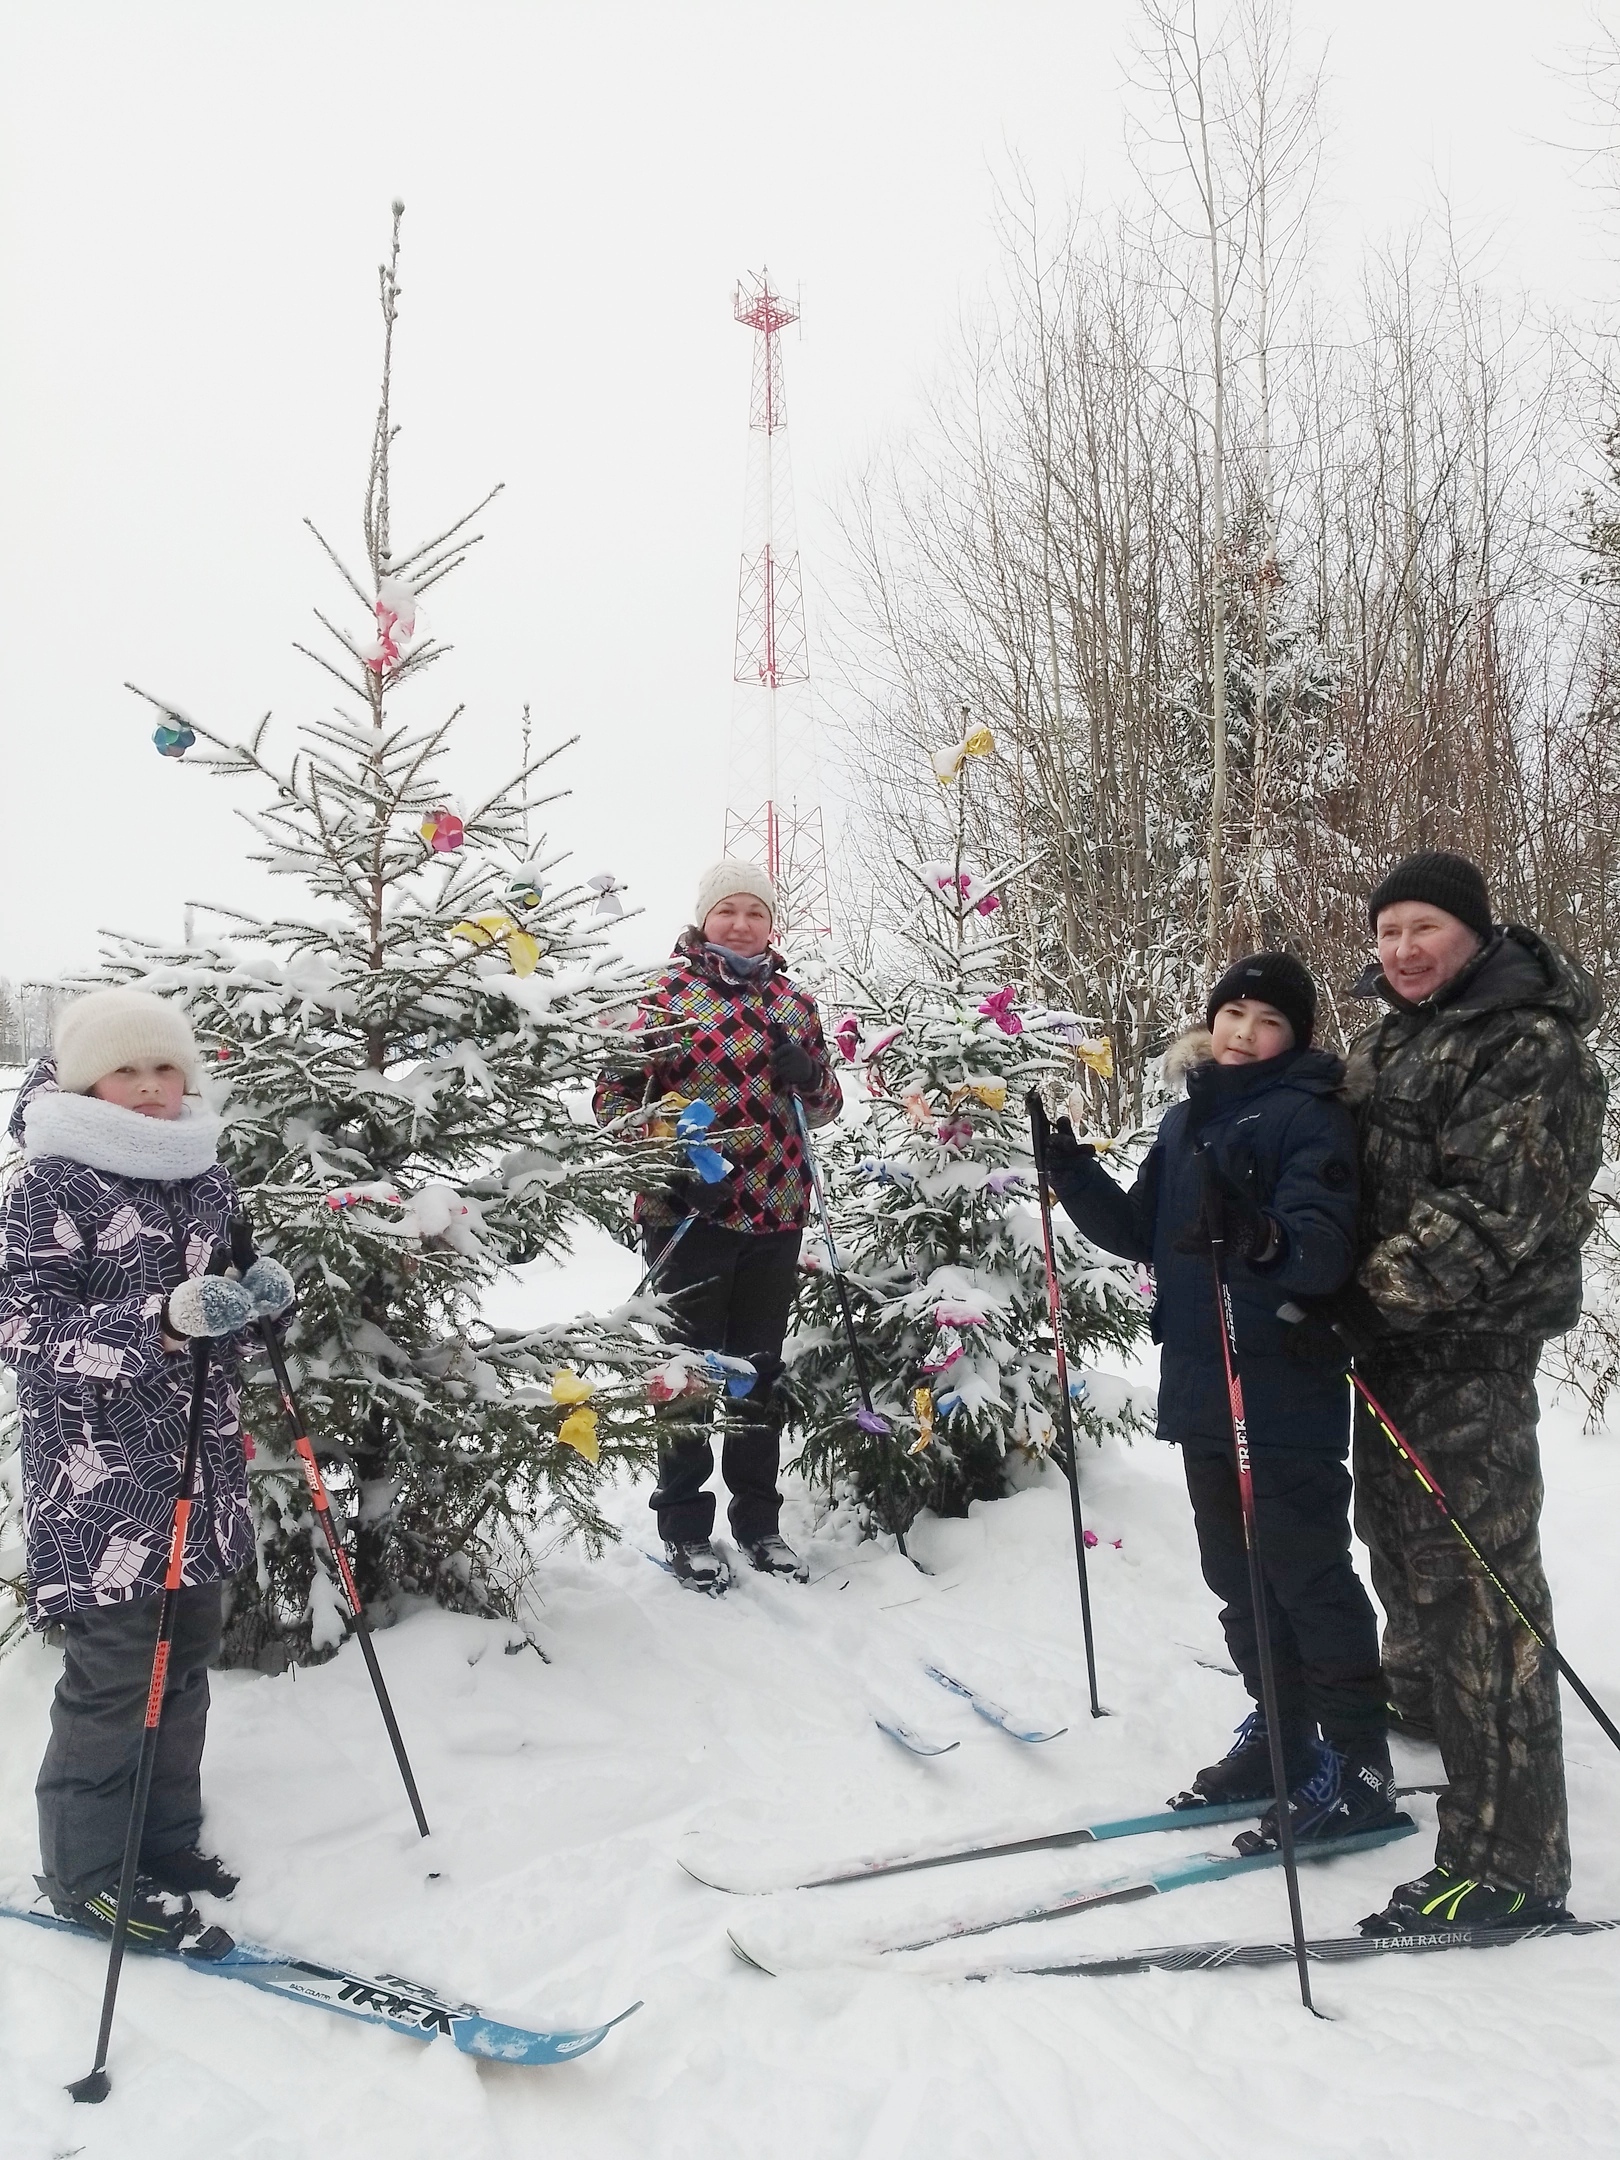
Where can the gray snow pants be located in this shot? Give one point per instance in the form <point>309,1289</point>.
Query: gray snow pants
<point>86,1783</point>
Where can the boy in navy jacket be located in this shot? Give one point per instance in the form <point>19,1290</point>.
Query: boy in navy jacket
<point>1266,1108</point>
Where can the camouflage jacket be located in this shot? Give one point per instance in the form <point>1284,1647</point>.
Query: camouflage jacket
<point>1480,1114</point>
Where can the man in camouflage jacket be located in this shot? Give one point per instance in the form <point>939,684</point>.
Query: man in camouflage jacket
<point>1480,1112</point>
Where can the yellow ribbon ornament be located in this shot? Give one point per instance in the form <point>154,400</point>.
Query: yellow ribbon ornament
<point>977,742</point>
<point>922,1402</point>
<point>578,1429</point>
<point>522,950</point>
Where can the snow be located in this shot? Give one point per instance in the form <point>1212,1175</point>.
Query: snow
<point>562,1793</point>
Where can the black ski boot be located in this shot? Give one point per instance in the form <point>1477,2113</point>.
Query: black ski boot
<point>191,1873</point>
<point>1244,1771</point>
<point>696,1565</point>
<point>772,1555</point>
<point>1351,1789</point>
<point>158,1919</point>
<point>1441,1900</point>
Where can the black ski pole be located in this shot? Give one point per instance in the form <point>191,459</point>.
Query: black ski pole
<point>664,1257</point>
<point>1054,1306</point>
<point>241,1238</point>
<point>1213,1224</point>
<point>868,1419</point>
<point>1431,1485</point>
<point>94,2086</point>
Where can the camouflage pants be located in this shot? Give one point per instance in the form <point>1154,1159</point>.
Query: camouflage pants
<point>1453,1654</point>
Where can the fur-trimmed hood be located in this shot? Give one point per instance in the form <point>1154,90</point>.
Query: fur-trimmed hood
<point>1318,1072</point>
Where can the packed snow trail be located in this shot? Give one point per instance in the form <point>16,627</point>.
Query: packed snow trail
<point>561,1795</point>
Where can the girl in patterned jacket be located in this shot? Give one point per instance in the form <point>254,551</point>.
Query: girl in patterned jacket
<point>724,1025</point>
<point>105,1237</point>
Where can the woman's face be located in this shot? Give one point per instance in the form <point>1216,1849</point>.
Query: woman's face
<point>150,1086</point>
<point>741,923</point>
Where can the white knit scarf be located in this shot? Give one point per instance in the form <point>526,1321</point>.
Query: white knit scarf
<point>122,1143</point>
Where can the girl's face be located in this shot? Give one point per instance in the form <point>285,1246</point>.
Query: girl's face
<point>151,1086</point>
<point>1248,1031</point>
<point>740,923</point>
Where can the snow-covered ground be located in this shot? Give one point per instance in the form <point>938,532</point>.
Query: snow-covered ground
<point>561,1795</point>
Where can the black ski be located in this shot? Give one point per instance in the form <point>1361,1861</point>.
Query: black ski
<point>1325,1950</point>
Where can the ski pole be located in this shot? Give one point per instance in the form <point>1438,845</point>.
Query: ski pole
<point>866,1417</point>
<point>94,2086</point>
<point>1054,1306</point>
<point>241,1238</point>
<point>663,1259</point>
<point>1431,1485</point>
<point>1213,1224</point>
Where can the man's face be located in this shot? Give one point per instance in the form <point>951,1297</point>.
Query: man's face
<point>1421,948</point>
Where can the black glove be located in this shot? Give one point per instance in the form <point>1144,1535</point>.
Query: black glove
<point>1339,1327</point>
<point>1247,1231</point>
<point>1065,1155</point>
<point>792,1066</point>
<point>688,1194</point>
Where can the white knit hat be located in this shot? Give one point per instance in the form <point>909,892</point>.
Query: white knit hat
<point>109,1028</point>
<point>722,879</point>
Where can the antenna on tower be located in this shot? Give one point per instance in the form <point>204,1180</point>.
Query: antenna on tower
<point>773,807</point>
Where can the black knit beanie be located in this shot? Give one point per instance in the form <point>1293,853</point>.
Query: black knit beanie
<point>1276,978</point>
<point>1445,881</point>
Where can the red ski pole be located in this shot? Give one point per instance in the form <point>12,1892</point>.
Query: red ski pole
<point>94,2086</point>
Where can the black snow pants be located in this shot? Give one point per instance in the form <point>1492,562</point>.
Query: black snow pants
<point>1324,1637</point>
<point>86,1783</point>
<point>1454,1656</point>
<point>730,1290</point>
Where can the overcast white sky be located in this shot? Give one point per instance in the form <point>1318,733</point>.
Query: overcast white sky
<point>193,199</point>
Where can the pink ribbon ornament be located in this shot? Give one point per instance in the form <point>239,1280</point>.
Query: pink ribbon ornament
<point>998,1006</point>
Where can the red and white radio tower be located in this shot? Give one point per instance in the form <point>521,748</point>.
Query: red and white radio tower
<point>773,808</point>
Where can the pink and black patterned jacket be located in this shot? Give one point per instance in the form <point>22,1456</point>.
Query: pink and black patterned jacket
<point>710,1039</point>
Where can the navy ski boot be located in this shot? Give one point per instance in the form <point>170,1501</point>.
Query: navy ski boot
<point>1244,1771</point>
<point>1351,1790</point>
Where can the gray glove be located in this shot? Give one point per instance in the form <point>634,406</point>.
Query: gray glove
<point>270,1287</point>
<point>208,1305</point>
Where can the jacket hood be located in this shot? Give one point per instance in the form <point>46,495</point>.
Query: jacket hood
<point>1518,967</point>
<point>41,1081</point>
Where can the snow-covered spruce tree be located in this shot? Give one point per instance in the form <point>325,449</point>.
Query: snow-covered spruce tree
<point>399,1065</point>
<point>932,1192</point>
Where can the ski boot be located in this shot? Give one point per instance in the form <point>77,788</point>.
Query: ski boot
<point>158,1919</point>
<point>1244,1771</point>
<point>1442,1899</point>
<point>1349,1791</point>
<point>772,1555</point>
<point>191,1873</point>
<point>696,1565</point>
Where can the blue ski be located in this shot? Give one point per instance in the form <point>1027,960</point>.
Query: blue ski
<point>400,2005</point>
<point>1204,1867</point>
<point>992,1713</point>
<point>1123,1890</point>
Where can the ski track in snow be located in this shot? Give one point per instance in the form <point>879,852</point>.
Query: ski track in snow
<point>561,1795</point>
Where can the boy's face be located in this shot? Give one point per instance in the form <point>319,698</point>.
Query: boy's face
<point>151,1086</point>
<point>740,923</point>
<point>1248,1031</point>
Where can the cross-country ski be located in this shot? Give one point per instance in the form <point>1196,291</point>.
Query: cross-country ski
<point>401,2006</point>
<point>810,1081</point>
<point>1187,1873</point>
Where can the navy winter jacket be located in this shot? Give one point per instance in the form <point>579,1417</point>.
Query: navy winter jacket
<point>1279,1130</point>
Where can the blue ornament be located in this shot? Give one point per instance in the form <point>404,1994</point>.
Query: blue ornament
<point>174,741</point>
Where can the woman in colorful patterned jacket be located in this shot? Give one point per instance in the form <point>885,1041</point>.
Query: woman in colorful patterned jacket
<point>724,1025</point>
<point>106,1238</point>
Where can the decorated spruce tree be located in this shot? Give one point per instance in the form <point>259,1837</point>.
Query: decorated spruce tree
<point>935,1211</point>
<point>400,1062</point>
